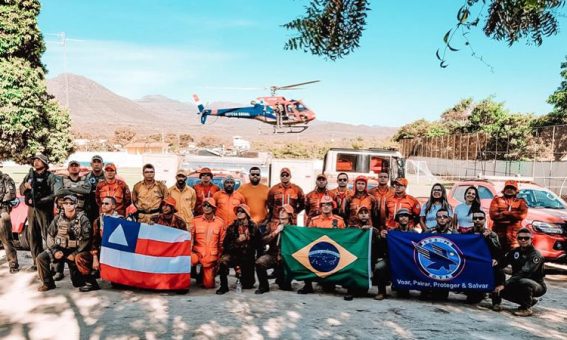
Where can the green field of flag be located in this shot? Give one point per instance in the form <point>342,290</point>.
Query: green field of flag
<point>339,256</point>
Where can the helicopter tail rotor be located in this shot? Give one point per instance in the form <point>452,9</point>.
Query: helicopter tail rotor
<point>199,104</point>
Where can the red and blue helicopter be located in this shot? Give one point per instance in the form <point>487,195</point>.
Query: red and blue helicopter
<point>286,115</point>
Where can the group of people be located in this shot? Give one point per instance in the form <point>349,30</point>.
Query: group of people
<point>241,228</point>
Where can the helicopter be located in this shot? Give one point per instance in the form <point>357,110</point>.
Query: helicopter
<point>286,115</point>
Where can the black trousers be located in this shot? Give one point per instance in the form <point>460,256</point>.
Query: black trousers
<point>381,275</point>
<point>521,292</point>
<point>6,238</point>
<point>265,262</point>
<point>38,221</point>
<point>44,260</point>
<point>246,264</point>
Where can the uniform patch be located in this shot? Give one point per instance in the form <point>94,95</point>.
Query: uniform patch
<point>439,258</point>
<point>536,259</point>
<point>516,255</point>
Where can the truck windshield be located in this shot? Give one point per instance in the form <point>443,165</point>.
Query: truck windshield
<point>541,199</point>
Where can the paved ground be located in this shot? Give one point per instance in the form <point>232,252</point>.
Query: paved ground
<point>65,313</point>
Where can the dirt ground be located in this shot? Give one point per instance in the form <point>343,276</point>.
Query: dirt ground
<point>65,313</point>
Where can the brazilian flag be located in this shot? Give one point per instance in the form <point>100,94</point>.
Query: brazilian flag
<point>339,256</point>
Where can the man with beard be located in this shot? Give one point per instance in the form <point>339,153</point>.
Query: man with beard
<point>361,198</point>
<point>284,193</point>
<point>507,212</point>
<point>313,198</point>
<point>148,194</point>
<point>205,189</point>
<point>227,199</point>
<point>342,193</point>
<point>184,196</point>
<point>239,250</point>
<point>39,188</point>
<point>256,195</point>
<point>381,193</point>
<point>94,176</point>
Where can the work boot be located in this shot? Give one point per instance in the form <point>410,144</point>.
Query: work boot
<point>223,283</point>
<point>307,288</point>
<point>349,297</point>
<point>523,312</point>
<point>285,286</point>
<point>45,288</point>
<point>89,286</point>
<point>262,290</point>
<point>58,276</point>
<point>380,296</point>
<point>496,307</point>
<point>14,270</point>
<point>534,301</point>
<point>222,290</point>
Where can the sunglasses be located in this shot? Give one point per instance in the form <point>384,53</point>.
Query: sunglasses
<point>524,238</point>
<point>106,203</point>
<point>442,216</point>
<point>240,211</point>
<point>254,174</point>
<point>326,204</point>
<point>343,179</point>
<point>207,205</point>
<point>477,218</point>
<point>284,175</point>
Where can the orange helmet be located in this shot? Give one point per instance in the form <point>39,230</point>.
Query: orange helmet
<point>327,199</point>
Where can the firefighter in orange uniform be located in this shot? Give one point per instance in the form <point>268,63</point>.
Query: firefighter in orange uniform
<point>401,200</point>
<point>113,187</point>
<point>342,193</point>
<point>313,198</point>
<point>381,193</point>
<point>204,189</point>
<point>207,234</point>
<point>361,198</point>
<point>327,219</point>
<point>283,193</point>
<point>228,199</point>
<point>508,212</point>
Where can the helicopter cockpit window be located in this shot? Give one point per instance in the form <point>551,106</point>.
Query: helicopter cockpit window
<point>300,107</point>
<point>290,108</point>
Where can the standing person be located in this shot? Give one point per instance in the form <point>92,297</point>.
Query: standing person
<point>148,194</point>
<point>94,176</point>
<point>184,196</point>
<point>313,199</point>
<point>463,217</point>
<point>113,187</point>
<point>442,226</point>
<point>39,187</point>
<point>89,261</point>
<point>381,193</point>
<point>76,185</point>
<point>507,212</point>
<point>7,194</point>
<point>437,200</point>
<point>207,235</point>
<point>283,193</point>
<point>227,199</point>
<point>382,273</point>
<point>401,200</point>
<point>205,189</point>
<point>256,195</point>
<point>270,251</point>
<point>527,280</point>
<point>239,250</point>
<point>342,193</point>
<point>479,227</point>
<point>72,233</point>
<point>361,198</point>
<point>168,216</point>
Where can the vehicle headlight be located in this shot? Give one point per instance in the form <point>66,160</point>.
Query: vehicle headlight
<point>548,228</point>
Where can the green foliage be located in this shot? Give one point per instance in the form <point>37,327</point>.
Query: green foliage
<point>559,98</point>
<point>456,119</point>
<point>487,116</point>
<point>30,119</point>
<point>420,128</point>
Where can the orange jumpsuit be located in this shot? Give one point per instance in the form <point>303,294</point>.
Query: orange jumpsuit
<point>321,221</point>
<point>117,189</point>
<point>395,203</point>
<point>226,204</point>
<point>508,214</point>
<point>312,207</point>
<point>207,236</point>
<point>203,191</point>
<point>361,199</point>
<point>341,198</point>
<point>281,194</point>
<point>381,194</point>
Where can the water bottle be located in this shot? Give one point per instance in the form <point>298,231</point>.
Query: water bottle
<point>238,286</point>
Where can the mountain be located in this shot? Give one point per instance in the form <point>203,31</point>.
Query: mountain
<point>93,108</point>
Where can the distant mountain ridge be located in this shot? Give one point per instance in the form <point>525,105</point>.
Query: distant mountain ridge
<point>94,108</point>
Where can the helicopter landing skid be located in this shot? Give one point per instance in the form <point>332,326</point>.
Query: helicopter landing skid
<point>290,129</point>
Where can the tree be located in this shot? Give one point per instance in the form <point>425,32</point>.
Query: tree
<point>420,128</point>
<point>559,98</point>
<point>487,116</point>
<point>333,28</point>
<point>31,120</point>
<point>456,119</point>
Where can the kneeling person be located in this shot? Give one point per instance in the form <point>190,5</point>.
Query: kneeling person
<point>72,233</point>
<point>239,249</point>
<point>168,216</point>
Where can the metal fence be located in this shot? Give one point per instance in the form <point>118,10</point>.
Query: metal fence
<point>538,155</point>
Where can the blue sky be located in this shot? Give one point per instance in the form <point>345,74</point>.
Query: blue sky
<point>179,47</point>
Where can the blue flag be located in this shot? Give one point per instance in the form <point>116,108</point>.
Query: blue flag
<point>440,261</point>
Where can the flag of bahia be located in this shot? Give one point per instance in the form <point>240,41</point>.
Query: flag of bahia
<point>339,256</point>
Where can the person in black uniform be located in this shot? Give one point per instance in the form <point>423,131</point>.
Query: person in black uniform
<point>527,280</point>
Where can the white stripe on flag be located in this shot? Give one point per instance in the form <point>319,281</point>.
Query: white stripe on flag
<point>161,233</point>
<point>144,263</point>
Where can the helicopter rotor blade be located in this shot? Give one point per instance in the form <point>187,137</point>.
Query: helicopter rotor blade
<point>294,85</point>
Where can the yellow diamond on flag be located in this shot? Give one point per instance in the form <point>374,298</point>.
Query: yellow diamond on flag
<point>324,256</point>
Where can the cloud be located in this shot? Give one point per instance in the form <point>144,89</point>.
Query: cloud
<point>134,70</point>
